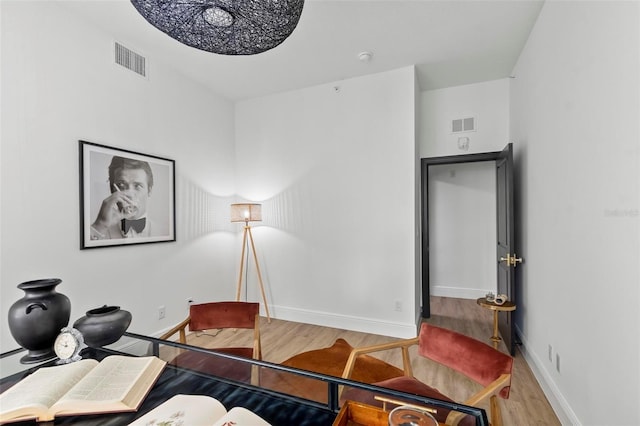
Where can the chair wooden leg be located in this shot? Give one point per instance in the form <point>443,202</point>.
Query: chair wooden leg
<point>255,375</point>
<point>496,415</point>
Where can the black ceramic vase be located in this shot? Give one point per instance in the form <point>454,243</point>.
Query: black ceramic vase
<point>36,319</point>
<point>103,326</point>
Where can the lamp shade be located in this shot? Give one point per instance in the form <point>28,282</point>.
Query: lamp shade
<point>226,27</point>
<point>246,212</point>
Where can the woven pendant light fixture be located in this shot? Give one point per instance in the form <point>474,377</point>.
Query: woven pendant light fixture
<point>227,27</point>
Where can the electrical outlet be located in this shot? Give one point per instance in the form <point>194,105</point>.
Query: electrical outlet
<point>550,353</point>
<point>161,312</point>
<point>399,305</point>
<point>558,362</point>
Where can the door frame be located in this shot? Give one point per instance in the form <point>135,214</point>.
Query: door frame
<point>425,163</point>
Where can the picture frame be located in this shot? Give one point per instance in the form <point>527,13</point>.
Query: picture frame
<point>126,197</point>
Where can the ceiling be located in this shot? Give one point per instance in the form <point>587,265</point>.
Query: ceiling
<point>451,42</point>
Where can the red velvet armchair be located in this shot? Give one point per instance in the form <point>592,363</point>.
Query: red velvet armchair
<point>220,315</point>
<point>474,359</point>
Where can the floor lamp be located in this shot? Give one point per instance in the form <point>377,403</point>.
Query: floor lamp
<point>248,212</point>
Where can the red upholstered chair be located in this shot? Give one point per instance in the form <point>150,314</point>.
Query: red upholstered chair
<point>474,359</point>
<point>214,316</point>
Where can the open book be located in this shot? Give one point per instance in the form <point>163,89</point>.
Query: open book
<point>201,410</point>
<point>116,384</point>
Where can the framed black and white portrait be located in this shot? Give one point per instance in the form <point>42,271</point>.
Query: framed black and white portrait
<point>126,197</point>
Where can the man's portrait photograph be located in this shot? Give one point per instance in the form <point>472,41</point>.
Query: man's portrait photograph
<point>126,197</point>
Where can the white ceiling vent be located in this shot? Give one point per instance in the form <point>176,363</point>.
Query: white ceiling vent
<point>466,124</point>
<point>130,60</point>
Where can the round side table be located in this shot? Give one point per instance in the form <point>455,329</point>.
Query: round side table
<point>507,306</point>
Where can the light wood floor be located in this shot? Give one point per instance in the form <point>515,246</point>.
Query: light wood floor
<point>527,405</point>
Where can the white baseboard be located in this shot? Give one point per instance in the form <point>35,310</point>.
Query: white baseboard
<point>132,346</point>
<point>327,319</point>
<point>457,292</point>
<point>558,402</point>
<point>137,347</point>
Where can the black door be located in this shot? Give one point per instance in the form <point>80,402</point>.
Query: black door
<point>506,258</point>
<point>505,229</point>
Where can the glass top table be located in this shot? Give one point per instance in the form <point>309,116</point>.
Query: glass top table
<point>279,394</point>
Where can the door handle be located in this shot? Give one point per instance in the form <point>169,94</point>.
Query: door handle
<point>511,260</point>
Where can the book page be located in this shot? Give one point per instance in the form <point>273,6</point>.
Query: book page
<point>143,385</point>
<point>239,416</point>
<point>184,410</point>
<point>106,386</point>
<point>42,389</point>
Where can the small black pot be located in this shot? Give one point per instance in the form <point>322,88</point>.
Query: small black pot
<point>103,326</point>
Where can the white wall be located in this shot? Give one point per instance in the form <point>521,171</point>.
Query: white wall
<point>462,223</point>
<point>575,108</point>
<point>417,207</point>
<point>487,101</point>
<point>462,230</point>
<point>58,86</point>
<point>334,166</point>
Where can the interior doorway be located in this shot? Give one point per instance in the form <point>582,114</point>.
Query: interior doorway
<point>462,229</point>
<point>502,250</point>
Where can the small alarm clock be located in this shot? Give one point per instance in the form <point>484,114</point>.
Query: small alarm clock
<point>68,345</point>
